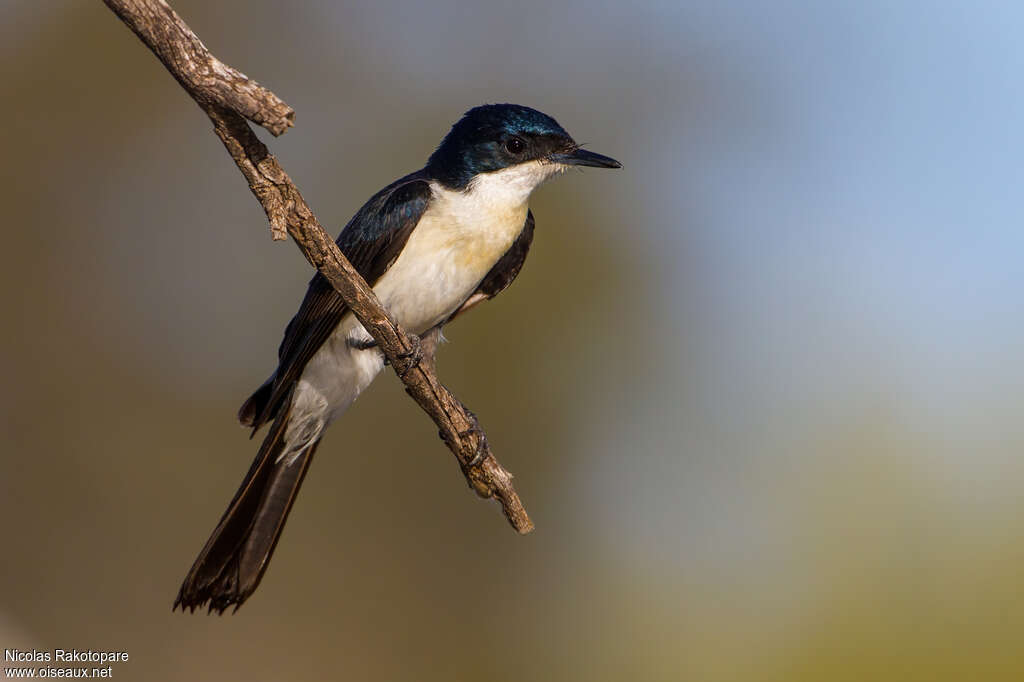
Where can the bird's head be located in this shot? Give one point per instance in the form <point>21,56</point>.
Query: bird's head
<point>496,137</point>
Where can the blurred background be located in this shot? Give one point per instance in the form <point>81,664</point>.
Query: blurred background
<point>762,389</point>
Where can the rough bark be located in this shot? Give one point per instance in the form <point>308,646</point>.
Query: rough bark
<point>228,97</point>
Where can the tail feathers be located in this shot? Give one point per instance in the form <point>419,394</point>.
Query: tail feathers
<point>235,557</point>
<point>254,410</point>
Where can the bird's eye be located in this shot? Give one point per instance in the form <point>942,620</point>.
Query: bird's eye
<point>515,145</point>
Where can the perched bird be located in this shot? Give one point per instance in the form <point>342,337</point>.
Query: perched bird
<point>431,244</point>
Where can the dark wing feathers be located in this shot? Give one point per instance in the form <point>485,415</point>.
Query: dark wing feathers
<point>371,241</point>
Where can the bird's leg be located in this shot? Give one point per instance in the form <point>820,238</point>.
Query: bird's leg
<point>409,358</point>
<point>362,344</point>
<point>430,340</point>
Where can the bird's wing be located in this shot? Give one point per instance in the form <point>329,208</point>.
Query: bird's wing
<point>503,272</point>
<point>371,241</point>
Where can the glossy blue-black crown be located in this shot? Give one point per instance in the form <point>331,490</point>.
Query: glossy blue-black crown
<point>492,137</point>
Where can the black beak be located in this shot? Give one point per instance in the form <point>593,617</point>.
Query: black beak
<point>581,157</point>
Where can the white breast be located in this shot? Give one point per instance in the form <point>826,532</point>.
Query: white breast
<point>458,240</point>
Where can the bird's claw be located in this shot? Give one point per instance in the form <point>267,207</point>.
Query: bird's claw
<point>410,358</point>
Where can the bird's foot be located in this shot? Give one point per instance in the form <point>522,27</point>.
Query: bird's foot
<point>362,344</point>
<point>407,360</point>
<point>410,358</point>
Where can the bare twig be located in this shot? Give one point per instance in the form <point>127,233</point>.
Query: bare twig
<point>204,76</point>
<point>228,98</point>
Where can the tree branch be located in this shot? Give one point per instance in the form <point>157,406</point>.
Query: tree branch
<point>205,77</point>
<point>228,98</point>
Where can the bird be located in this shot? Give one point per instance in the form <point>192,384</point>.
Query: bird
<point>432,245</point>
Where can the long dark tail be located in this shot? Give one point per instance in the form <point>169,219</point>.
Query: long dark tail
<point>235,557</point>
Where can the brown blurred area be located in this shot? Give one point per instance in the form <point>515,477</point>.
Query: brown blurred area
<point>697,516</point>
